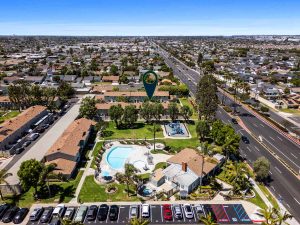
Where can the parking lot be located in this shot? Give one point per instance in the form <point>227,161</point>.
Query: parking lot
<point>223,214</point>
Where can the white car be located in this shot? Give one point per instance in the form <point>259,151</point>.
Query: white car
<point>188,211</point>
<point>145,210</point>
<point>59,210</point>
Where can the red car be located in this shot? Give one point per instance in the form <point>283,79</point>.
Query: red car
<point>167,212</point>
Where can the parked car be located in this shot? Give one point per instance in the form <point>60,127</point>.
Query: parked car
<point>80,214</point>
<point>92,213</point>
<point>69,213</point>
<point>177,212</point>
<point>20,215</point>
<point>145,210</point>
<point>45,126</point>
<point>36,214</point>
<point>46,215</point>
<point>245,139</point>
<point>199,211</point>
<point>3,209</point>
<point>9,214</point>
<point>59,210</point>
<point>188,212</point>
<point>55,221</point>
<point>26,143</point>
<point>102,213</point>
<point>167,212</point>
<point>113,213</point>
<point>19,150</point>
<point>33,136</point>
<point>134,212</point>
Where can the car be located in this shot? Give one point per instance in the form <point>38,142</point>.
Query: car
<point>20,215</point>
<point>167,212</point>
<point>33,136</point>
<point>3,209</point>
<point>113,213</point>
<point>145,210</point>
<point>177,212</point>
<point>188,212</point>
<point>55,221</point>
<point>234,121</point>
<point>36,214</point>
<point>19,150</point>
<point>10,214</point>
<point>245,139</point>
<point>26,143</point>
<point>199,211</point>
<point>45,126</point>
<point>46,215</point>
<point>59,210</point>
<point>80,214</point>
<point>69,213</point>
<point>134,212</point>
<point>92,213</point>
<point>102,212</point>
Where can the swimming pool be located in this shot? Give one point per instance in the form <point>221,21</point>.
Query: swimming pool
<point>117,156</point>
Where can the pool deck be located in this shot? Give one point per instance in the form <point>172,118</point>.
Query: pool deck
<point>138,158</point>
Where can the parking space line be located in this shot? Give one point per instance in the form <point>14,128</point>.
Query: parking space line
<point>256,148</point>
<point>161,213</point>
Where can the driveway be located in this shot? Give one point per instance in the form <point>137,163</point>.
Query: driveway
<point>39,149</point>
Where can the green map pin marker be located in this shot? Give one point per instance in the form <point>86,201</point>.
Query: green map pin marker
<point>150,81</point>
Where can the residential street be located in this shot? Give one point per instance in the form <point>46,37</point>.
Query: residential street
<point>285,186</point>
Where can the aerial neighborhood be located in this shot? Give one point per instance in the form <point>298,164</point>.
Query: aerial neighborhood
<point>81,139</point>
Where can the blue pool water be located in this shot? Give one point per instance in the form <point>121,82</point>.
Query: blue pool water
<point>117,156</point>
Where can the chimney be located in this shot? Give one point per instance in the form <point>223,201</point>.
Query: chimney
<point>184,166</point>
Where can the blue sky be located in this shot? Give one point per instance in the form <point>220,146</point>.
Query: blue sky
<point>149,17</point>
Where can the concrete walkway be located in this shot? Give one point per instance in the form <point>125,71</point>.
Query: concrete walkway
<point>39,149</point>
<point>87,172</point>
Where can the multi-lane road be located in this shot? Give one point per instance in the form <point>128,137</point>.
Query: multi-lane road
<point>284,185</point>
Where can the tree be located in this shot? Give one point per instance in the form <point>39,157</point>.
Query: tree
<point>130,115</point>
<point>200,58</point>
<point>70,222</point>
<point>281,218</point>
<point>202,129</point>
<point>46,174</point>
<point>113,70</point>
<point>208,220</point>
<point>157,111</point>
<point>146,111</point>
<point>206,97</point>
<point>65,90</point>
<point>137,221</point>
<point>3,176</point>
<point>129,172</point>
<point>88,108</point>
<point>173,111</point>
<point>186,112</point>
<point>115,113</point>
<point>274,216</point>
<point>29,174</point>
<point>261,168</point>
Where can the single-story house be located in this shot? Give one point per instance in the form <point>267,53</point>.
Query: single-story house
<point>186,169</point>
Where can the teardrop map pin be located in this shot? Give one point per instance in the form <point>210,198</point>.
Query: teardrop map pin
<point>150,81</point>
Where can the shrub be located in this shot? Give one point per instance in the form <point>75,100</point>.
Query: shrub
<point>227,109</point>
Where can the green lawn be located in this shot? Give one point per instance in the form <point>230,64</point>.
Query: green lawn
<point>258,201</point>
<point>62,192</point>
<point>269,196</point>
<point>140,131</point>
<point>292,111</point>
<point>160,165</point>
<point>93,192</point>
<point>186,101</point>
<point>8,116</point>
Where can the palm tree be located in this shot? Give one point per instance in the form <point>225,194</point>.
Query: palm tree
<point>267,213</point>
<point>46,175</point>
<point>127,177</point>
<point>208,220</point>
<point>136,221</point>
<point>3,176</point>
<point>281,218</point>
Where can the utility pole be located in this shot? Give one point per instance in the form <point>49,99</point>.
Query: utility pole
<point>201,180</point>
